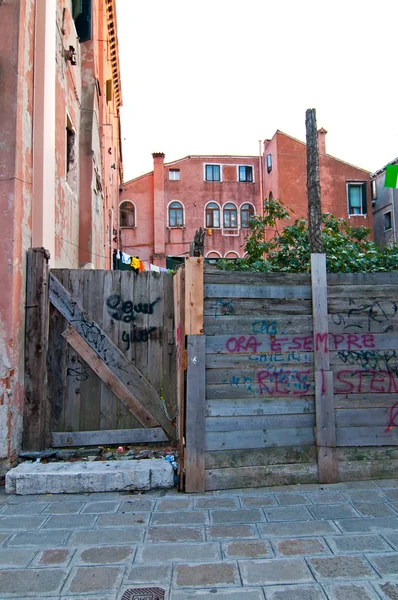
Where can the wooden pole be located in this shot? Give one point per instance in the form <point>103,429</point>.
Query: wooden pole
<point>325,426</point>
<point>37,408</point>
<point>313,184</point>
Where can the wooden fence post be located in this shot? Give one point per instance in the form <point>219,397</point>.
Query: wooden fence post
<point>325,425</point>
<point>189,302</point>
<point>37,408</point>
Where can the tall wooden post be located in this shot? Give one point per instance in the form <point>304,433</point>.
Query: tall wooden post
<point>37,409</point>
<point>325,426</point>
<point>313,184</point>
<point>188,293</point>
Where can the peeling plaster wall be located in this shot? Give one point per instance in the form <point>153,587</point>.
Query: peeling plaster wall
<point>16,94</point>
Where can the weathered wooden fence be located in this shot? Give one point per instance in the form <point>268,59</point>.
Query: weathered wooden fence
<point>301,378</point>
<point>110,375</point>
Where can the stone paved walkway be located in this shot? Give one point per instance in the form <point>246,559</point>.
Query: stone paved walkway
<point>306,542</point>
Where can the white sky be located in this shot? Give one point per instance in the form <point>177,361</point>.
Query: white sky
<point>216,76</point>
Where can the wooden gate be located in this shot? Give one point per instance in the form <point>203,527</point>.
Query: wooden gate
<point>110,373</point>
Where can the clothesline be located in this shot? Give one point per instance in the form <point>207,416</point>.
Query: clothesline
<point>136,264</point>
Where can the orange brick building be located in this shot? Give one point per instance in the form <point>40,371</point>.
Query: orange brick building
<point>160,211</point>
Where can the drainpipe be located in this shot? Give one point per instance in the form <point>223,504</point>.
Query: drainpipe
<point>260,164</point>
<point>394,230</point>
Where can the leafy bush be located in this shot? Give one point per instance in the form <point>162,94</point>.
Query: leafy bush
<point>348,249</point>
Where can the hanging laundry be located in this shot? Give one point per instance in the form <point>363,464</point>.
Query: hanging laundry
<point>135,263</point>
<point>155,268</point>
<point>162,270</point>
<point>126,258</point>
<point>141,267</point>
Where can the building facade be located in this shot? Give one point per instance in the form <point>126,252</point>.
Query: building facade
<point>345,189</point>
<point>160,211</point>
<point>384,206</point>
<point>60,161</point>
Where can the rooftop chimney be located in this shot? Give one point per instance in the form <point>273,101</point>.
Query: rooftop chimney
<point>159,256</point>
<point>322,140</point>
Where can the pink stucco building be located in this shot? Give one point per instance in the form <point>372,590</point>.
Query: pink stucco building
<point>160,211</point>
<point>60,161</point>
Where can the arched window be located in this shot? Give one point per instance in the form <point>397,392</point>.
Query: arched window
<point>127,214</point>
<point>212,215</point>
<point>246,213</point>
<point>231,255</point>
<point>230,216</point>
<point>212,257</point>
<point>176,214</point>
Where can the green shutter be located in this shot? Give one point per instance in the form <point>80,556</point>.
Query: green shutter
<point>364,199</point>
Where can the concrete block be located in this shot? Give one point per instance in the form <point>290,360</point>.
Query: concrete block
<point>207,575</point>
<point>178,552</point>
<point>326,497</point>
<point>183,518</point>
<point>219,593</point>
<point>70,522</point>
<point>231,532</point>
<point>294,592</point>
<point>149,574</point>
<point>175,504</point>
<point>291,499</point>
<point>303,528</point>
<point>100,507</point>
<point>365,496</point>
<point>205,503</point>
<point>341,567</point>
<point>300,547</point>
<point>135,505</point>
<point>385,564</point>
<point>21,522</point>
<point>236,516</point>
<point>259,501</point>
<point>350,591</point>
<point>15,557</point>
<point>333,511</point>
<point>39,539</point>
<point>248,549</point>
<point>80,477</point>
<point>175,534</point>
<point>273,572</point>
<point>137,519</point>
<point>387,590</point>
<point>367,509</point>
<point>358,544</point>
<point>111,536</point>
<point>368,525</point>
<point>31,582</point>
<point>289,513</point>
<point>57,557</point>
<point>104,555</point>
<point>84,580</point>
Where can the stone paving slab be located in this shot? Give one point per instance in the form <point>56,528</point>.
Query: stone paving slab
<point>294,592</point>
<point>95,546</point>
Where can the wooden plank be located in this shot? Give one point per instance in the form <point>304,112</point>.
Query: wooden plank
<point>108,437</point>
<point>360,323</point>
<point>272,325</point>
<point>169,350</point>
<point>77,370</point>
<point>367,469</point>
<point>111,326</point>
<point>195,415</point>
<point>234,290</point>
<point>358,279</point>
<point>90,400</point>
<point>267,378</point>
<point>141,389</point>
<point>325,428</point>
<point>37,408</point>
<point>155,329</point>
<point>194,295</point>
<point>366,436</point>
<point>231,343</point>
<point>125,419</point>
<point>264,360</point>
<point>365,381</point>
<point>222,307</point>
<point>365,400</point>
<point>57,361</point>
<point>248,390</point>
<point>385,453</point>
<point>380,299</point>
<point>359,417</point>
<point>260,457</point>
<point>233,440</point>
<point>259,422</point>
<point>252,477</point>
<point>266,406</point>
<point>246,278</point>
<point>179,333</point>
<point>139,346</point>
<point>100,368</point>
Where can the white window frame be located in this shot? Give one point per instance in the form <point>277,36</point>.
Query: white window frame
<point>230,231</point>
<point>240,209</point>
<point>213,252</point>
<point>211,165</point>
<point>174,171</point>
<point>269,167</point>
<point>358,183</point>
<point>135,215</point>
<point>237,174</point>
<point>183,215</point>
<point>220,211</point>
